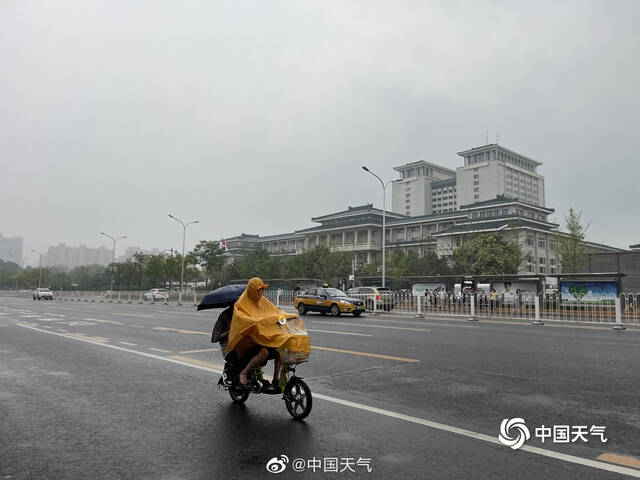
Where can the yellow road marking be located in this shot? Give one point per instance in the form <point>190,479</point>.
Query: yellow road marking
<point>365,354</point>
<point>179,330</point>
<point>160,350</point>
<point>620,460</point>
<point>197,362</point>
<point>104,321</point>
<point>128,343</point>
<point>203,350</point>
<point>85,336</point>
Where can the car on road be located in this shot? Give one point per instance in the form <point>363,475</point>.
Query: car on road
<point>156,294</point>
<point>382,297</point>
<point>42,294</point>
<point>328,300</point>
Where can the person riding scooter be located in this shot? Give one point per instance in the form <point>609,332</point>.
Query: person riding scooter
<point>255,334</point>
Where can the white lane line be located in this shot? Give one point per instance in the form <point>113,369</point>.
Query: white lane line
<point>375,326</point>
<point>340,333</point>
<point>61,315</point>
<point>131,315</point>
<point>30,316</point>
<point>409,322</point>
<point>113,322</point>
<point>128,343</point>
<point>387,413</point>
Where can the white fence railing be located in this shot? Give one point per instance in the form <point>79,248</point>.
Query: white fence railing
<point>612,310</point>
<point>524,306</point>
<point>190,298</point>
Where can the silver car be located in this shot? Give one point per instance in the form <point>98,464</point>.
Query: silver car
<point>42,294</point>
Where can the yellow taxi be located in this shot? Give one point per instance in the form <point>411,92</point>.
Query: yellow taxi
<point>328,300</point>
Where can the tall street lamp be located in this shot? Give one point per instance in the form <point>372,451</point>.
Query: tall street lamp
<point>384,222</point>
<point>40,275</point>
<point>113,258</point>
<point>184,234</point>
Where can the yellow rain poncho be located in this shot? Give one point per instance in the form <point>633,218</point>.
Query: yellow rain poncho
<point>255,321</point>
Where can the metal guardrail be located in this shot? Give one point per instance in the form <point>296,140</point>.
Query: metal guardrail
<point>623,309</point>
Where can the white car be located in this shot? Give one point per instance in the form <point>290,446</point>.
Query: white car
<point>42,294</point>
<point>156,294</point>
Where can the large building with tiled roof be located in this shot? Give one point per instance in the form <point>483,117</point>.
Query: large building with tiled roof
<point>447,222</point>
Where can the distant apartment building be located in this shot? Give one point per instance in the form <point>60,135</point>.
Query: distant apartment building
<point>11,249</point>
<point>71,257</point>
<point>131,251</point>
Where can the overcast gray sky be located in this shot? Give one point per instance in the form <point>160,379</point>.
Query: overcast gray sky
<point>254,116</point>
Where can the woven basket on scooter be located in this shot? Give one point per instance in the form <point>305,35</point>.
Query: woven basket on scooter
<point>287,356</point>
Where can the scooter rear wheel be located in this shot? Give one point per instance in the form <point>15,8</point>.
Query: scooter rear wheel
<point>297,398</point>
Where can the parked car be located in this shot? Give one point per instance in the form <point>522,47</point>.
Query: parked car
<point>383,297</point>
<point>328,300</point>
<point>42,294</point>
<point>156,294</point>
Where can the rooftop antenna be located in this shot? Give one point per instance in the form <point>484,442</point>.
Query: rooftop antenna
<point>486,137</point>
<point>497,138</point>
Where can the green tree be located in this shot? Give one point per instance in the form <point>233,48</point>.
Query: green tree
<point>570,248</point>
<point>210,256</point>
<point>487,254</point>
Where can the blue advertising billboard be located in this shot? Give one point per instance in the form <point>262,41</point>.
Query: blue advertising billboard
<point>588,291</point>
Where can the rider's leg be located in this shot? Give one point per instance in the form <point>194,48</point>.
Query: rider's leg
<point>276,368</point>
<point>259,359</point>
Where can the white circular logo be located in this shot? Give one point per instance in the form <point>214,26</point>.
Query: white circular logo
<point>277,464</point>
<point>522,432</point>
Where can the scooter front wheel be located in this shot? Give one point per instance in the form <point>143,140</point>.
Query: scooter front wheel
<point>239,395</point>
<point>297,398</point>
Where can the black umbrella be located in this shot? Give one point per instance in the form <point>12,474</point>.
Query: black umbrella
<point>222,297</point>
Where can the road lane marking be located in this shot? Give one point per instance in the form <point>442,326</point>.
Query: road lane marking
<point>179,330</point>
<point>620,460</point>
<point>132,315</point>
<point>160,350</point>
<point>375,326</point>
<point>201,363</point>
<point>192,363</point>
<point>340,333</point>
<point>30,316</point>
<point>420,323</point>
<point>113,322</point>
<point>84,336</point>
<point>128,343</point>
<point>365,354</point>
<point>61,315</point>
<point>203,350</point>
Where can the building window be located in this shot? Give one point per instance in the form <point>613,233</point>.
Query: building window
<point>541,242</point>
<point>542,270</point>
<point>542,260</point>
<point>476,189</point>
<point>530,240</point>
<point>476,197</point>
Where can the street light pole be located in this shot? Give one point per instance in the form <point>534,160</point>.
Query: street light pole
<point>384,223</point>
<point>184,235</point>
<point>113,257</point>
<point>40,275</point>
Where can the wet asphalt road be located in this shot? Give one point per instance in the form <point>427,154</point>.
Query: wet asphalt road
<point>91,390</point>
